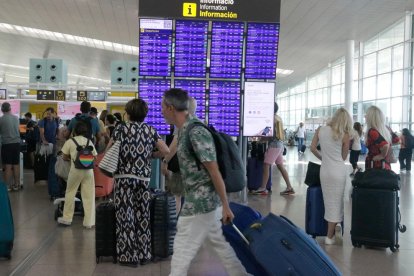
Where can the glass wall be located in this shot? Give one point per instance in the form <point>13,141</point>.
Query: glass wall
<point>378,79</point>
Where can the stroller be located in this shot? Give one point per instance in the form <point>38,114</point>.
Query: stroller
<point>60,201</point>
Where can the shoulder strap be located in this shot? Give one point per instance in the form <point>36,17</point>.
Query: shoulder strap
<point>189,128</point>
<point>76,143</point>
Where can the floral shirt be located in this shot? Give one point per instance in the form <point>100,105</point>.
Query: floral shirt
<point>200,194</point>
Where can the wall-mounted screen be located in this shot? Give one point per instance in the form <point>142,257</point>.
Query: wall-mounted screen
<point>3,94</point>
<point>14,106</point>
<point>261,50</point>
<point>224,106</point>
<point>155,47</point>
<point>151,91</point>
<point>96,96</point>
<point>226,50</point>
<point>197,90</point>
<point>259,98</point>
<point>68,110</point>
<point>190,48</point>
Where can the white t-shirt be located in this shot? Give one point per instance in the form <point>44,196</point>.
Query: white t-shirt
<point>356,144</point>
<point>300,133</point>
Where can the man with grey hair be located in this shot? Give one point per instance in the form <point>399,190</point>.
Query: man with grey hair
<point>10,147</point>
<point>173,178</point>
<point>205,193</point>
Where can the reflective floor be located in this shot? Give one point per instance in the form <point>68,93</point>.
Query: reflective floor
<point>43,248</point>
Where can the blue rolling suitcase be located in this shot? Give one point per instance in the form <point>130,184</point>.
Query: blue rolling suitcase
<point>6,224</point>
<point>244,216</point>
<point>284,249</point>
<point>255,174</point>
<point>315,224</point>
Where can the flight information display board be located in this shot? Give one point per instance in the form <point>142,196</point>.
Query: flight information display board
<point>190,48</point>
<point>261,50</point>
<point>224,106</point>
<point>155,46</point>
<point>197,90</point>
<point>226,50</point>
<point>151,91</point>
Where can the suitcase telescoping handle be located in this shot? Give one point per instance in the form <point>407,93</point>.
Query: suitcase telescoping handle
<point>240,233</point>
<point>382,163</point>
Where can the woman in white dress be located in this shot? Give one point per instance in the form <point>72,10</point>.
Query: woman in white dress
<point>334,141</point>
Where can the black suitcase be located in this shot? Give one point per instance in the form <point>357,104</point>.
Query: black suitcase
<point>303,148</point>
<point>375,218</point>
<point>105,233</point>
<point>163,224</point>
<point>41,167</point>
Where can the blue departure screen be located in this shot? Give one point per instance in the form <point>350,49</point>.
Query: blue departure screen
<point>155,47</point>
<point>226,50</point>
<point>224,106</point>
<point>261,50</point>
<point>197,90</point>
<point>151,91</point>
<point>190,48</point>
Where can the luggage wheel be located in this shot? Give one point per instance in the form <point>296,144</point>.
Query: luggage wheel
<point>97,260</point>
<point>114,260</point>
<point>394,248</point>
<point>402,228</point>
<point>356,244</point>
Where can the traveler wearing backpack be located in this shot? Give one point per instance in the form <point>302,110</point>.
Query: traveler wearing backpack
<point>30,137</point>
<point>406,151</point>
<point>274,155</point>
<point>81,152</point>
<point>91,123</point>
<point>170,166</point>
<point>206,201</point>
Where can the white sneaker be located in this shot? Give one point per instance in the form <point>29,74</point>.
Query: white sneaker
<point>329,241</point>
<point>61,221</point>
<point>338,231</point>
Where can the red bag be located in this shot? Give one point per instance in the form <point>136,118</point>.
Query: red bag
<point>104,185</point>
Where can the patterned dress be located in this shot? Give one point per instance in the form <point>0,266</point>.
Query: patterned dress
<point>132,197</point>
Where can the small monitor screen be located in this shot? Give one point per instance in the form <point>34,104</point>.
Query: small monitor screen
<point>226,50</point>
<point>151,91</point>
<point>261,50</point>
<point>190,48</point>
<point>98,96</point>
<point>155,47</point>
<point>197,90</point>
<point>2,94</point>
<point>224,106</point>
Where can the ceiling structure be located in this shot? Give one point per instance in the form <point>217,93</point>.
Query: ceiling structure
<point>313,34</point>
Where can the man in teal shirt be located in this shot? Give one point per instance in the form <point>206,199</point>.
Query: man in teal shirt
<point>10,147</point>
<point>205,194</point>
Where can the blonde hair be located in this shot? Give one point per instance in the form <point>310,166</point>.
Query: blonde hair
<point>375,119</point>
<point>341,123</point>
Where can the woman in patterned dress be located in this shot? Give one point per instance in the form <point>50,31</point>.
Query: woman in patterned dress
<point>139,144</point>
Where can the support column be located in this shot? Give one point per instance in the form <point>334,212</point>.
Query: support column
<point>349,73</point>
<point>407,82</point>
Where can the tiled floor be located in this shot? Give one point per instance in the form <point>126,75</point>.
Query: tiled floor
<point>42,248</point>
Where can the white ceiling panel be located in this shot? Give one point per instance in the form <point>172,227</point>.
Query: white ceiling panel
<point>313,32</point>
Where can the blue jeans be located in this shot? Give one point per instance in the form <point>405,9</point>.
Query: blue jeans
<point>300,143</point>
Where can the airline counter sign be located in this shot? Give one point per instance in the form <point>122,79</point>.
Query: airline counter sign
<point>241,10</point>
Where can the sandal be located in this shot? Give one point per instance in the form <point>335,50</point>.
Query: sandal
<point>288,192</point>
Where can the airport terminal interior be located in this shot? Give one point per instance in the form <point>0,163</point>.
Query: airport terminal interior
<point>329,54</point>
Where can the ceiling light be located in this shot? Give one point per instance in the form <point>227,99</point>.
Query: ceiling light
<point>284,72</point>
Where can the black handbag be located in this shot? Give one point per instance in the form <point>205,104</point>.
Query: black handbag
<point>312,178</point>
